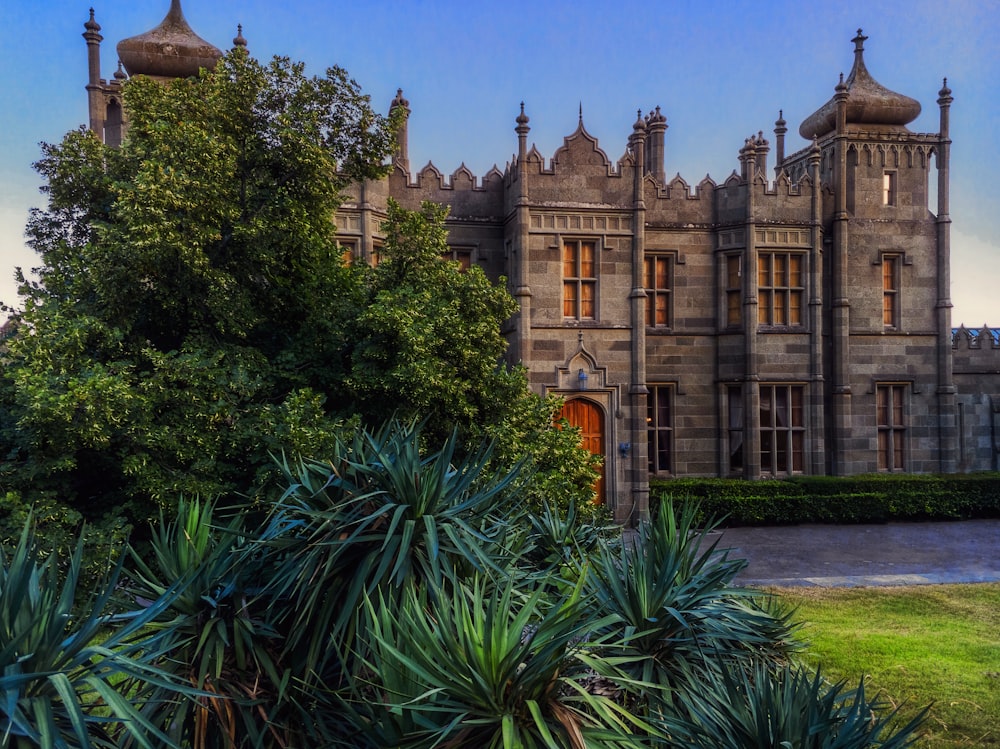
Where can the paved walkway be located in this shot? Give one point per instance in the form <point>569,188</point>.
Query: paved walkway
<point>859,555</point>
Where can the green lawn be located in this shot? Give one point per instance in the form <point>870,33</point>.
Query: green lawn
<point>918,645</point>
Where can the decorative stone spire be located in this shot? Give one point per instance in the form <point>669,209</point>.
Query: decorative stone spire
<point>402,156</point>
<point>762,148</point>
<point>638,131</point>
<point>656,128</point>
<point>238,40</point>
<point>522,131</point>
<point>522,122</point>
<point>753,155</point>
<point>92,25</point>
<point>640,124</point>
<point>400,101</point>
<point>815,154</point>
<point>171,50</point>
<point>869,104</point>
<point>944,95</point>
<point>780,128</point>
<point>95,96</point>
<point>94,39</point>
<point>944,102</point>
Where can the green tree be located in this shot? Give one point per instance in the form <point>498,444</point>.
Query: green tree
<point>191,299</point>
<point>428,340</point>
<point>428,344</point>
<point>192,317</point>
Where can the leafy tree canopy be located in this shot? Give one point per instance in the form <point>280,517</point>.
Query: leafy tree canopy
<point>192,316</point>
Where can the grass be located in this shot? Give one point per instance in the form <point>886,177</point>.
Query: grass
<point>918,645</point>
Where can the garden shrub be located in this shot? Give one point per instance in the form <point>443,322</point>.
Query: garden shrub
<point>870,498</point>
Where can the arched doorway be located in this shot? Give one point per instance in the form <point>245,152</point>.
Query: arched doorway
<point>589,417</point>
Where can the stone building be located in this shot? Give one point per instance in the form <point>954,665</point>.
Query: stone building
<point>792,319</point>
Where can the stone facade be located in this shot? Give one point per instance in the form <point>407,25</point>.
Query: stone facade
<point>768,325</point>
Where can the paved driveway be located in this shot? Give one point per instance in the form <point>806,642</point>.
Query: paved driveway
<point>853,555</point>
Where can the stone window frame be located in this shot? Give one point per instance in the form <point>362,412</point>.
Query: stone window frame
<point>792,433</point>
<point>350,249</point>
<point>463,254</point>
<point>377,246</point>
<point>891,425</point>
<point>891,266</point>
<point>580,281</point>
<point>732,304</point>
<point>656,430</point>
<point>734,419</point>
<point>778,297</point>
<point>890,187</point>
<point>654,292</point>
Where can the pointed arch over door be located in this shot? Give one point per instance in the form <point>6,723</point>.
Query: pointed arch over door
<point>589,417</point>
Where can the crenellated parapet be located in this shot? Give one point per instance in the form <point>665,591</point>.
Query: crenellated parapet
<point>975,339</point>
<point>579,152</point>
<point>580,172</point>
<point>678,203</point>
<point>462,190</point>
<point>975,350</point>
<point>678,188</point>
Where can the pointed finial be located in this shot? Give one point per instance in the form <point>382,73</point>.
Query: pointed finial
<point>400,101</point>
<point>815,155</point>
<point>945,91</point>
<point>92,25</point>
<point>640,124</point>
<point>581,112</point>
<point>522,123</point>
<point>238,40</point>
<point>780,122</point>
<point>120,73</point>
<point>859,42</point>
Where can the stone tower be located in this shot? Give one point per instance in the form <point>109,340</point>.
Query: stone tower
<point>171,50</point>
<point>887,277</point>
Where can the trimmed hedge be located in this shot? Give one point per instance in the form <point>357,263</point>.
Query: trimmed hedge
<point>874,498</point>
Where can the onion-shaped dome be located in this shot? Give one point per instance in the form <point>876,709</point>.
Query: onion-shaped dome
<point>171,50</point>
<point>869,103</point>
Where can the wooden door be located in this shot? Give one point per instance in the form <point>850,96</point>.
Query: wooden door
<point>589,417</point>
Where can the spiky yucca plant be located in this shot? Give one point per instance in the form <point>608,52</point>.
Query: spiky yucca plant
<point>671,595</point>
<point>398,597</point>
<point>558,541</point>
<point>379,514</point>
<point>76,680</point>
<point>791,707</point>
<point>219,630</point>
<point>489,666</point>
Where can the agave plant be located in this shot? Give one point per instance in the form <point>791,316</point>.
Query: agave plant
<point>488,665</point>
<point>762,707</point>
<point>674,607</point>
<point>557,542</point>
<point>73,680</point>
<point>378,515</point>
<point>219,631</point>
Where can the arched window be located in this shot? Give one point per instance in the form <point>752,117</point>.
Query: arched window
<point>113,123</point>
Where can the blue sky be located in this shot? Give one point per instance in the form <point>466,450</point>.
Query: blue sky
<point>720,71</point>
